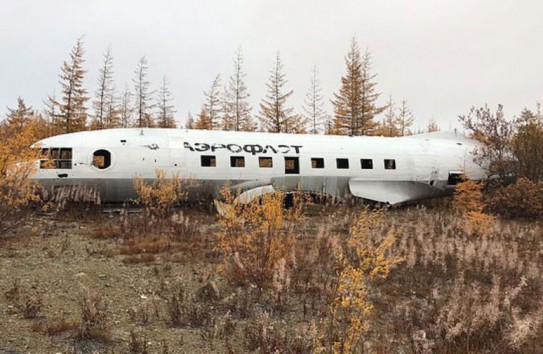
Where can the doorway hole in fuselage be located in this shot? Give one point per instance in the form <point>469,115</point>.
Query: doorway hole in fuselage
<point>292,166</point>
<point>455,177</point>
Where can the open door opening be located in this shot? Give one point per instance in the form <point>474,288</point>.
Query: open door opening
<point>455,177</point>
<point>292,166</point>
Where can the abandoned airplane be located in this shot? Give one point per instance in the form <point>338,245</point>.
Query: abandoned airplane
<point>382,169</point>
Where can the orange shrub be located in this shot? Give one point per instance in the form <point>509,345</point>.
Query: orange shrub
<point>524,198</point>
<point>468,201</point>
<point>258,238</point>
<point>17,166</point>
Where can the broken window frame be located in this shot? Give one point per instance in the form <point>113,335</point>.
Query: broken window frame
<point>58,158</point>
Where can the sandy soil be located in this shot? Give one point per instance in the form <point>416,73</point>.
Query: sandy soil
<point>62,263</point>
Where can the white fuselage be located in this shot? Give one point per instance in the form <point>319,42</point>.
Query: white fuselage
<point>384,169</point>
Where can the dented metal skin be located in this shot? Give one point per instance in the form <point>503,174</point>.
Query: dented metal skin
<point>426,165</point>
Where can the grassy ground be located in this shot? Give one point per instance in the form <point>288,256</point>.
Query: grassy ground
<point>112,283</point>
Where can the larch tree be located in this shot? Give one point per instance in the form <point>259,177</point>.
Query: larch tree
<point>190,121</point>
<point>50,111</point>
<point>72,110</point>
<point>275,116</point>
<point>355,105</point>
<point>212,106</point>
<point>18,117</point>
<point>165,114</point>
<point>432,126</point>
<point>527,145</point>
<point>202,121</point>
<point>389,125</point>
<point>404,119</point>
<point>237,110</point>
<point>126,111</point>
<point>23,118</point>
<point>104,94</point>
<point>112,110</point>
<point>143,95</point>
<point>314,112</point>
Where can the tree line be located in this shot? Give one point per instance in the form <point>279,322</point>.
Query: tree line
<point>225,107</point>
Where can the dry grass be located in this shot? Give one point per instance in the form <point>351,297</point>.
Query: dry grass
<point>337,287</point>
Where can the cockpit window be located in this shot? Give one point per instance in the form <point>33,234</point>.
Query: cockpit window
<point>56,158</point>
<point>101,159</point>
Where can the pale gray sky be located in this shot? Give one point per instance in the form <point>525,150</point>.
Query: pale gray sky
<point>441,56</point>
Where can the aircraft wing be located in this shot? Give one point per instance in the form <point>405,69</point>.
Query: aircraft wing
<point>391,192</point>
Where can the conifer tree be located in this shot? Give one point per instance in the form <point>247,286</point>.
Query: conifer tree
<point>126,111</point>
<point>432,126</point>
<point>165,110</point>
<point>212,106</point>
<point>355,105</point>
<point>405,119</point>
<point>143,95</point>
<point>313,105</point>
<point>203,121</point>
<point>389,124</point>
<point>527,145</point>
<point>275,116</point>
<point>112,110</point>
<point>237,110</point>
<point>104,96</point>
<point>72,112</point>
<point>20,116</point>
<point>190,121</point>
<point>50,112</point>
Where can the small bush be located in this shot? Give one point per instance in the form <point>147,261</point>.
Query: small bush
<point>137,345</point>
<point>257,236</point>
<point>468,201</point>
<point>31,307</point>
<point>183,311</point>
<point>159,197</point>
<point>54,327</point>
<point>522,199</point>
<point>94,320</point>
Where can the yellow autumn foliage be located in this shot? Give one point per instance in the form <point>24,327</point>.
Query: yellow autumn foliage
<point>17,166</point>
<point>468,202</point>
<point>362,261</point>
<point>256,237</point>
<point>162,194</point>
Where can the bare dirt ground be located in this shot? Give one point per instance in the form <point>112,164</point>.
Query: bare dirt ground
<point>60,262</point>
<point>69,284</point>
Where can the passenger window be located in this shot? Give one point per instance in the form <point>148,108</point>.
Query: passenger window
<point>56,158</point>
<point>292,165</point>
<point>390,164</point>
<point>342,163</point>
<point>317,162</point>
<point>265,162</point>
<point>65,161</point>
<point>237,161</point>
<point>46,162</point>
<point>208,161</point>
<point>366,164</point>
<point>101,159</point>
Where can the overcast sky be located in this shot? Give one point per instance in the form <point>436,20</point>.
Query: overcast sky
<point>441,56</point>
